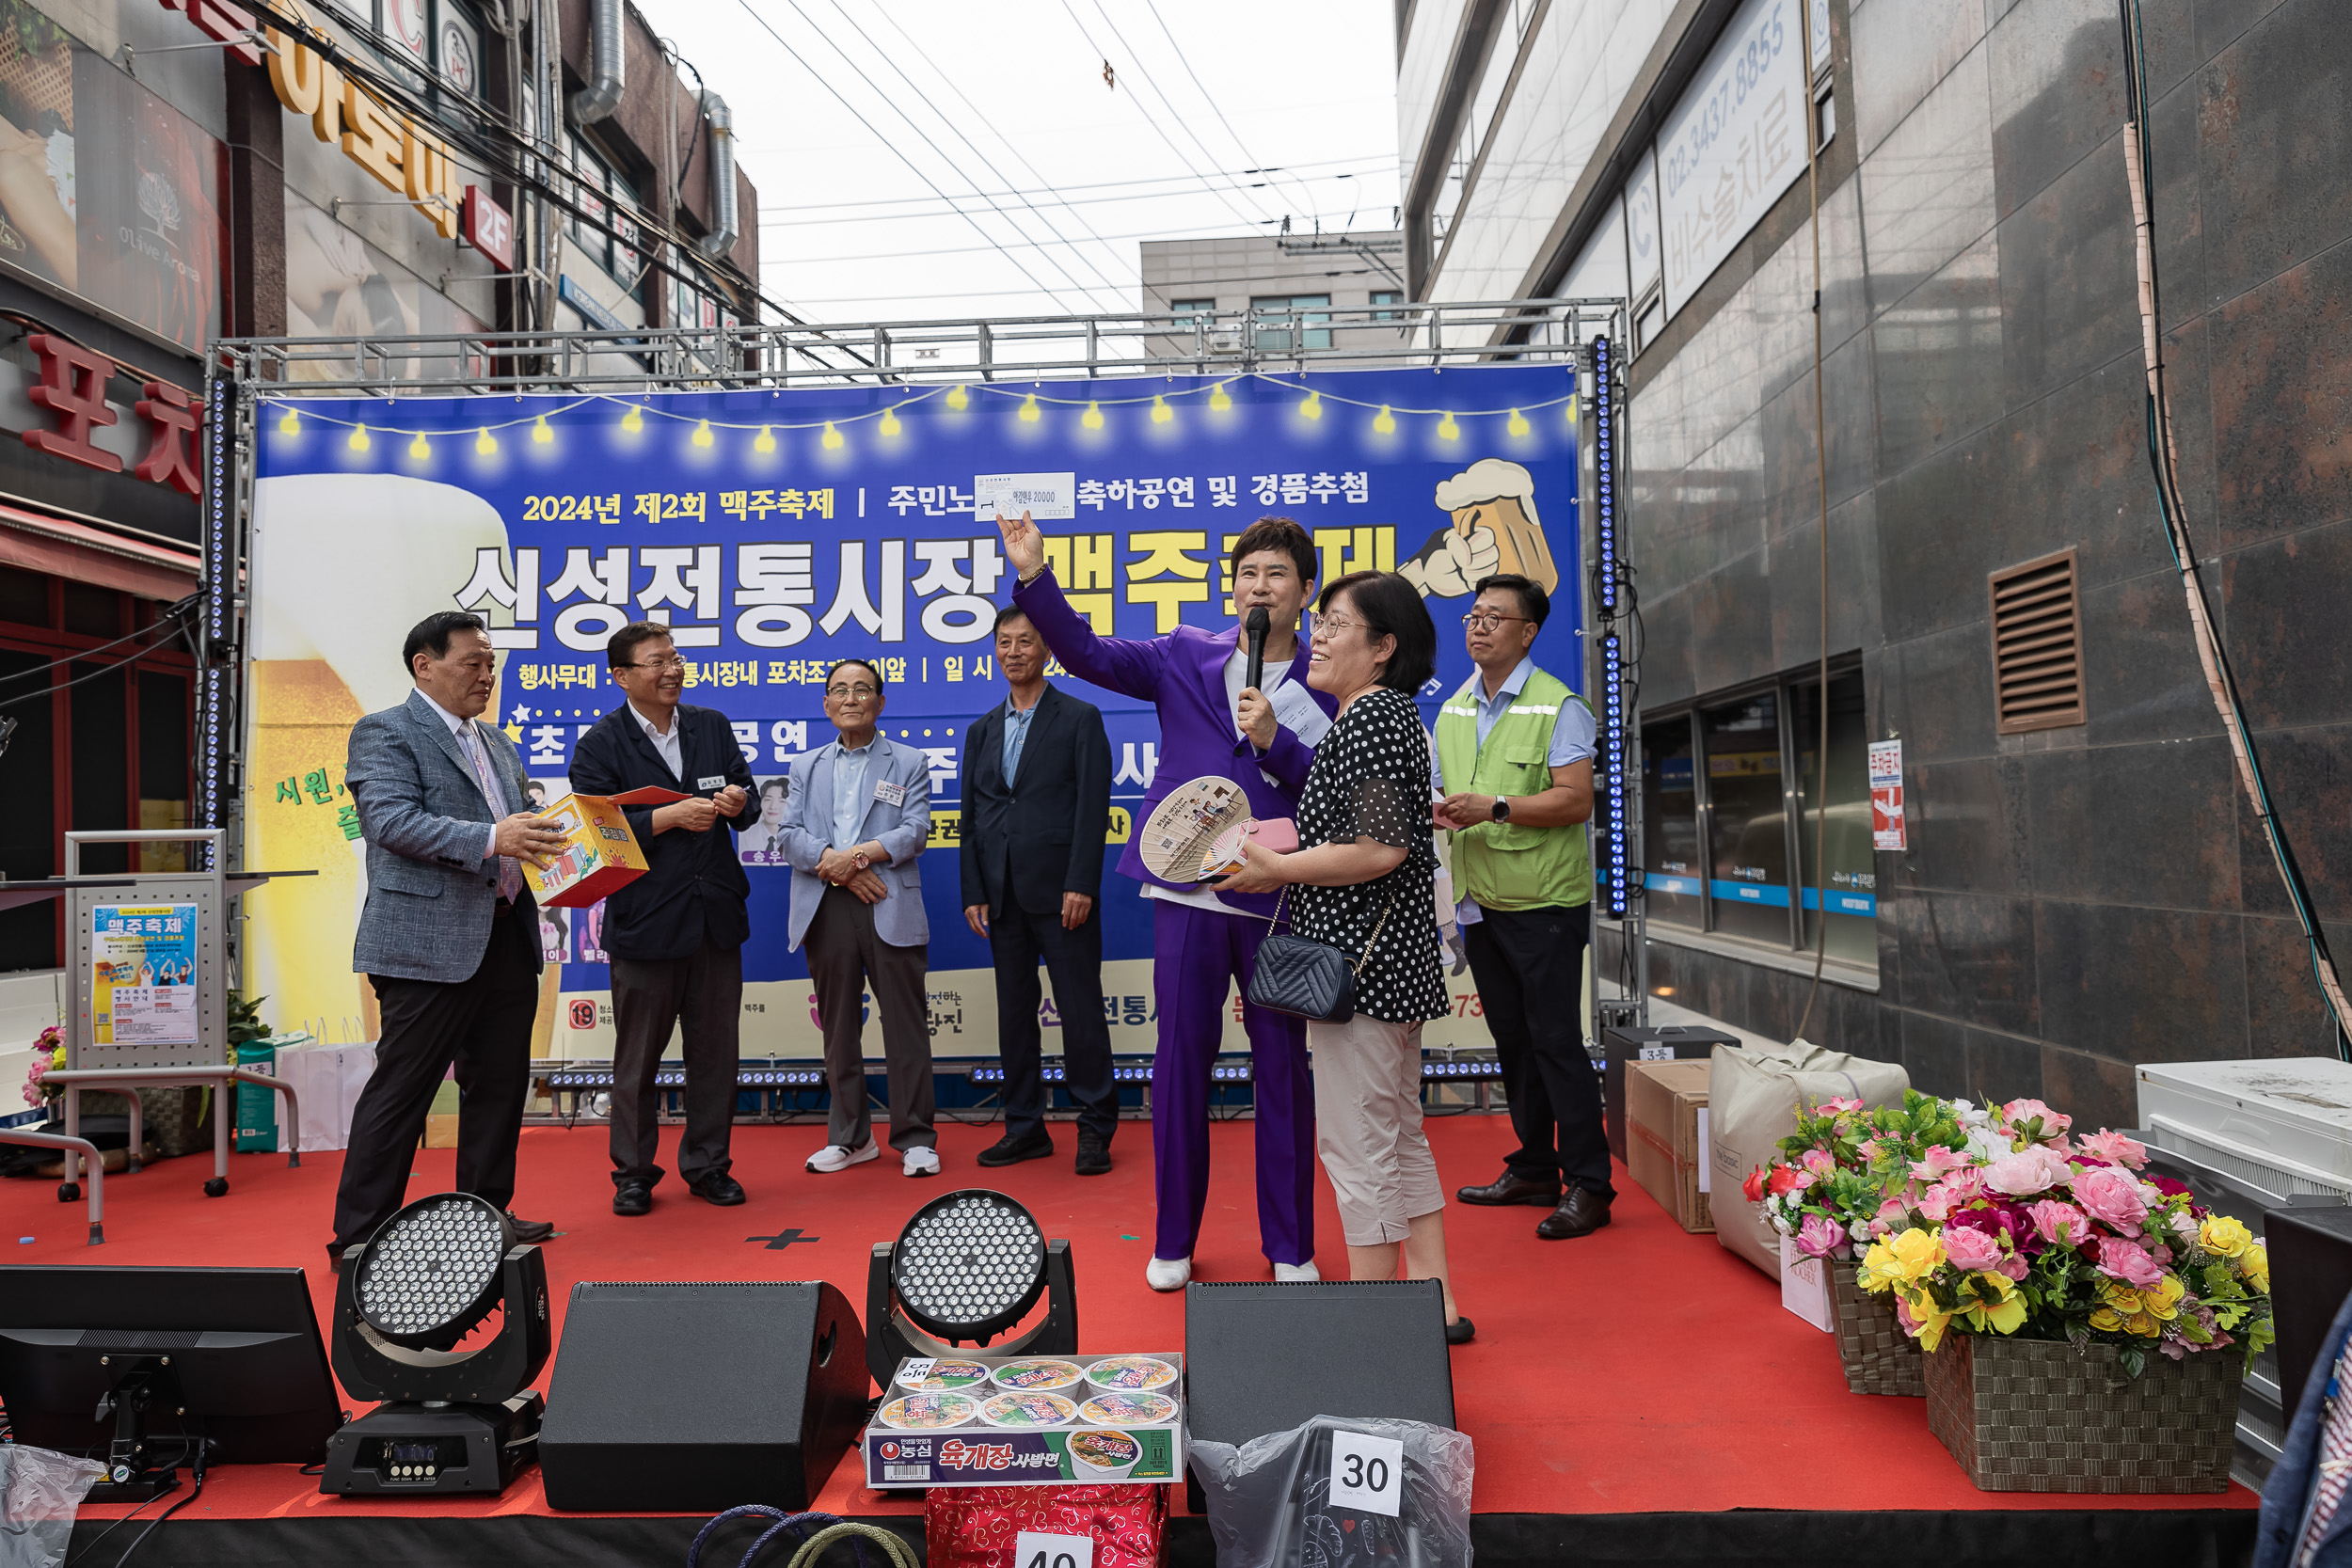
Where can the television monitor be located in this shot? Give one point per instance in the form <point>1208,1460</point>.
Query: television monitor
<point>233,1354</point>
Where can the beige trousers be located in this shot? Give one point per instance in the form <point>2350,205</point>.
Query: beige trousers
<point>1368,1127</point>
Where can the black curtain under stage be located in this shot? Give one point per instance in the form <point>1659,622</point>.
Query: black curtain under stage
<point>1745,1538</point>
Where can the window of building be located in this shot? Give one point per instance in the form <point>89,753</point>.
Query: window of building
<point>1721,851</point>
<point>110,750</point>
<point>606,229</point>
<point>1386,296</point>
<point>1199,309</point>
<point>1285,322</point>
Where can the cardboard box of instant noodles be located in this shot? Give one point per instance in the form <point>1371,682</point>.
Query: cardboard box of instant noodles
<point>999,1420</point>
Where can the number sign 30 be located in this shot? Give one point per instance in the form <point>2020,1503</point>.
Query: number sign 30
<point>1366,1472</point>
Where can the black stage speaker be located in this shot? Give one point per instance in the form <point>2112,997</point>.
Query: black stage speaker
<point>2311,1274</point>
<point>695,1397</point>
<point>1664,1043</point>
<point>1264,1358</point>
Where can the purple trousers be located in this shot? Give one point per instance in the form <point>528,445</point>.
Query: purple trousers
<point>1198,956</point>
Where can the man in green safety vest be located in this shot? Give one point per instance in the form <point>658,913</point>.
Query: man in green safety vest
<point>1515,748</point>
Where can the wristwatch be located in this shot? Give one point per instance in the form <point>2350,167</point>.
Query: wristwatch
<point>1503,808</point>
<point>860,861</point>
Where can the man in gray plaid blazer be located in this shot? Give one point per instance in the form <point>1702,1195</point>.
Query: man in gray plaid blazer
<point>449,934</point>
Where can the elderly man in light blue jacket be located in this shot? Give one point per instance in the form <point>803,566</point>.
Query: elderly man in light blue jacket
<point>854,825</point>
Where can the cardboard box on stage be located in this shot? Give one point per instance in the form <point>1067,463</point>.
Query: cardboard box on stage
<point>1665,1106</point>
<point>977,1452</point>
<point>600,853</point>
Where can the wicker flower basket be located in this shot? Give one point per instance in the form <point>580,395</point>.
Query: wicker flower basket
<point>2036,1416</point>
<point>1880,1358</point>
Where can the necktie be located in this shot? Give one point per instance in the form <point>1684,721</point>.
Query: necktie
<point>510,873</point>
<point>2335,1458</point>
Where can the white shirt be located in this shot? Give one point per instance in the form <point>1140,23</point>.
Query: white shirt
<point>1294,708</point>
<point>467,741</point>
<point>667,745</point>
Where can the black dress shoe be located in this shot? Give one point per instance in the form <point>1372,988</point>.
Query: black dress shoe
<point>1094,1155</point>
<point>1459,1331</point>
<point>1512,1188</point>
<point>529,1231</point>
<point>723,1190</point>
<point>632,1198</point>
<point>1012,1151</point>
<point>1580,1213</point>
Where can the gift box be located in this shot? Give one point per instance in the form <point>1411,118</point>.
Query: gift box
<point>1665,1106</point>
<point>1010,1527</point>
<point>599,854</point>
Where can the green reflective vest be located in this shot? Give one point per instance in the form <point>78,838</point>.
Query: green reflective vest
<point>1505,866</point>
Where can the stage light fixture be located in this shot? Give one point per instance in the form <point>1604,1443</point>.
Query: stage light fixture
<point>1092,417</point>
<point>486,443</point>
<point>540,434</point>
<point>702,437</point>
<point>968,1266</point>
<point>1161,412</point>
<point>1447,429</point>
<point>1029,414</point>
<point>360,441</point>
<point>766,441</point>
<point>890,426</point>
<point>451,1420</point>
<point>1385,421</point>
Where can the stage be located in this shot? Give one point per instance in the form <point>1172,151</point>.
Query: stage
<point>1635,1396</point>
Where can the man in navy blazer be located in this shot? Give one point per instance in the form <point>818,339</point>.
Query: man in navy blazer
<point>449,937</point>
<point>854,827</point>
<point>675,936</point>
<point>1036,799</point>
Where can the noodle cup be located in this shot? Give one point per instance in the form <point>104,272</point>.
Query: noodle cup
<point>1102,1454</point>
<point>929,1412</point>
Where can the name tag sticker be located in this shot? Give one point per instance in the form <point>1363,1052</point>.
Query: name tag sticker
<point>712,780</point>
<point>890,794</point>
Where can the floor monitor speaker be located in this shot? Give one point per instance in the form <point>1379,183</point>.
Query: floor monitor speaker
<point>1261,1358</point>
<point>687,1397</point>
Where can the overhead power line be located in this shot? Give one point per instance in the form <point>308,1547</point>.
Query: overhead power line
<point>1100,185</point>
<point>1206,96</point>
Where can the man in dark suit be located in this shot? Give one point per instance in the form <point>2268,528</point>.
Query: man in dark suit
<point>449,937</point>
<point>1036,799</point>
<point>675,936</point>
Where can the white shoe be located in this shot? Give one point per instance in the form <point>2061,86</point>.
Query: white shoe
<point>1168,1274</point>
<point>920,1162</point>
<point>1295,1273</point>
<point>834,1157</point>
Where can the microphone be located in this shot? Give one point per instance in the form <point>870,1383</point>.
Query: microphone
<point>1256,626</point>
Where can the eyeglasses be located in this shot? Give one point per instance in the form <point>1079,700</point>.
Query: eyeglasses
<point>675,662</point>
<point>1486,620</point>
<point>851,693</point>
<point>1336,624</point>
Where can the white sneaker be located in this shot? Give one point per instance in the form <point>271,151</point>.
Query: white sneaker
<point>920,1162</point>
<point>1168,1274</point>
<point>1295,1273</point>
<point>834,1157</point>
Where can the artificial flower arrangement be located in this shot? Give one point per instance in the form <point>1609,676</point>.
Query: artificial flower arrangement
<point>2017,1228</point>
<point>1831,1181</point>
<point>48,1053</point>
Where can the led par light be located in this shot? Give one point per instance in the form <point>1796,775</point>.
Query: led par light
<point>967,1267</point>
<point>452,1420</point>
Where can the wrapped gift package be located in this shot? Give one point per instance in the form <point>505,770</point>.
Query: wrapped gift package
<point>1006,1527</point>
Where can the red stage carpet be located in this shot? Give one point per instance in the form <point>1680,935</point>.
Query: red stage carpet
<point>1637,1372</point>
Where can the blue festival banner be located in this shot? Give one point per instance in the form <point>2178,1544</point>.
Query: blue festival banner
<point>778,530</point>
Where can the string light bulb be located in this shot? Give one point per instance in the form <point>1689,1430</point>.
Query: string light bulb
<point>1518,425</point>
<point>766,442</point>
<point>420,448</point>
<point>1384,421</point>
<point>290,425</point>
<point>1161,412</point>
<point>1092,417</point>
<point>1447,429</point>
<point>834,441</point>
<point>1031,413</point>
<point>1571,410</point>
<point>1313,407</point>
<point>540,434</point>
<point>360,441</point>
<point>1218,401</point>
<point>486,443</point>
<point>702,437</point>
<point>958,399</point>
<point>634,420</point>
<point>890,426</point>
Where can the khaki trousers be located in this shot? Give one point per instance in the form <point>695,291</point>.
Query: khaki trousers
<point>1368,1127</point>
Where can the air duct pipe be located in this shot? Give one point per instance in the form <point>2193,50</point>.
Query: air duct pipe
<point>725,225</point>
<point>609,74</point>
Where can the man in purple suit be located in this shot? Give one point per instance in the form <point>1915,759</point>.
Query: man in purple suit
<point>1213,723</point>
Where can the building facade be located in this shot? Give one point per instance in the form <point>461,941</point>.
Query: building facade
<point>176,173</point>
<point>1294,284</point>
<point>2083,885</point>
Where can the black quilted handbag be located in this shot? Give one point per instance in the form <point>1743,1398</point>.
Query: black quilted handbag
<point>1310,979</point>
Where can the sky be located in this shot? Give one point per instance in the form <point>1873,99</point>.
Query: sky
<point>922,159</point>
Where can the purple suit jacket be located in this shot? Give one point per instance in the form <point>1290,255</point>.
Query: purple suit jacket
<point>1183,674</point>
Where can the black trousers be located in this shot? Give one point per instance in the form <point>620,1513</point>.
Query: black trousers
<point>1530,967</point>
<point>1019,940</point>
<point>702,996</point>
<point>483,1025</point>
